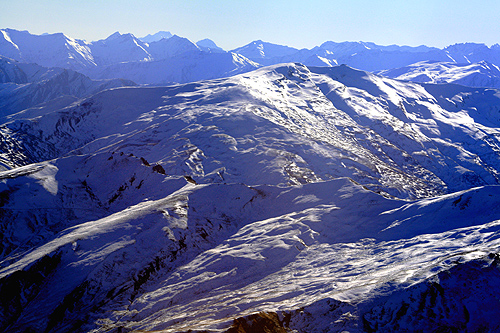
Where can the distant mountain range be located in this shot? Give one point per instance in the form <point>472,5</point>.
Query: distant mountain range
<point>369,56</point>
<point>103,59</point>
<point>169,58</point>
<point>480,74</point>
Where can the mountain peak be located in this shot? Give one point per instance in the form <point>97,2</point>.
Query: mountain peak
<point>467,46</point>
<point>114,35</point>
<point>10,30</point>
<point>175,39</point>
<point>259,50</point>
<point>156,37</point>
<point>208,45</point>
<point>175,45</point>
<point>118,35</point>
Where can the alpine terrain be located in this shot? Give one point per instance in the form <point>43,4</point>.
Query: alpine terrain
<point>172,186</point>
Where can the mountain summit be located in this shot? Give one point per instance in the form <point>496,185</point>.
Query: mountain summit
<point>156,37</point>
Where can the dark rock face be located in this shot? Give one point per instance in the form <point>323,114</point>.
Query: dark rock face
<point>158,168</point>
<point>19,288</point>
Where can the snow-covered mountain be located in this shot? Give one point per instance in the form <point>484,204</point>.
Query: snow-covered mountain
<point>167,48</point>
<point>413,147</point>
<point>265,53</point>
<point>269,54</point>
<point>54,50</point>
<point>311,199</point>
<point>473,52</point>
<point>24,86</point>
<point>156,37</point>
<point>208,45</point>
<point>183,67</point>
<point>376,59</point>
<point>368,56</point>
<point>119,48</point>
<point>481,74</point>
<point>123,56</point>
<point>98,59</point>
<point>357,47</point>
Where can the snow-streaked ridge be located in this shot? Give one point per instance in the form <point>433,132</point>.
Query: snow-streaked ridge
<point>481,74</point>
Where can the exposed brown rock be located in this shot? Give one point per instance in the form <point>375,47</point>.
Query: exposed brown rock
<point>263,322</point>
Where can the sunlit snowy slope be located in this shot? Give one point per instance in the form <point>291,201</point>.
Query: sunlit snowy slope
<point>481,74</point>
<point>311,199</point>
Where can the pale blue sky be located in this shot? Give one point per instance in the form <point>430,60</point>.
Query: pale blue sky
<point>235,23</point>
